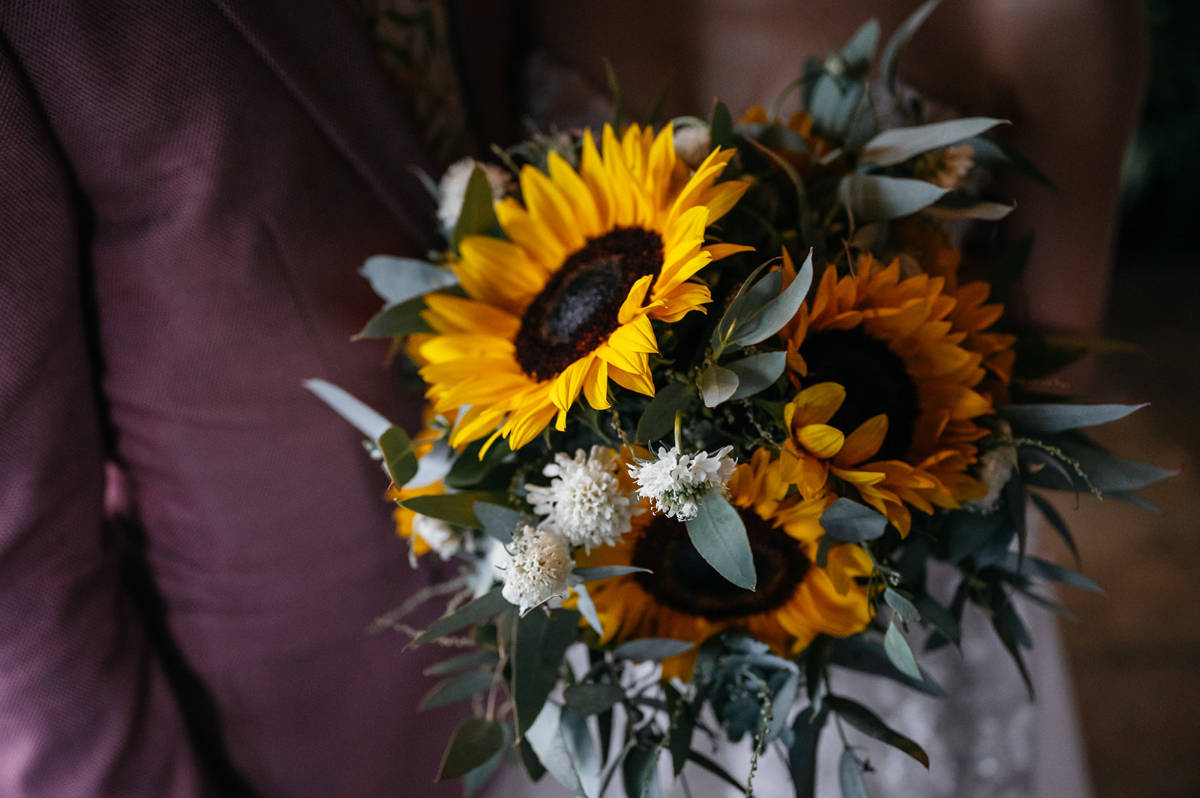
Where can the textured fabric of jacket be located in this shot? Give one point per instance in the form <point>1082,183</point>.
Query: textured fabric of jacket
<point>187,190</point>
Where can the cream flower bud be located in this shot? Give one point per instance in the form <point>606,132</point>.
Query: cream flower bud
<point>452,188</point>
<point>584,501</point>
<point>676,483</point>
<point>539,567</point>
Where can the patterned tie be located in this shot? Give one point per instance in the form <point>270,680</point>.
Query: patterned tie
<point>413,41</point>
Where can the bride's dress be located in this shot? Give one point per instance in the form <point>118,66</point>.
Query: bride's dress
<point>986,739</point>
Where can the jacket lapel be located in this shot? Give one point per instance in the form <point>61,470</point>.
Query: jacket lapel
<point>322,54</point>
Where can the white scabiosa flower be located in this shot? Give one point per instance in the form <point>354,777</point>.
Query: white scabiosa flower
<point>440,536</point>
<point>539,567</point>
<point>693,143</point>
<point>452,188</point>
<point>676,483</point>
<point>584,501</point>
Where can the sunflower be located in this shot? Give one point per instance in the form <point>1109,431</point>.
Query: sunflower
<point>891,371</point>
<point>565,303</point>
<point>685,599</point>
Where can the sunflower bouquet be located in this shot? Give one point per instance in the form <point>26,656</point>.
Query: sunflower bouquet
<point>703,402</point>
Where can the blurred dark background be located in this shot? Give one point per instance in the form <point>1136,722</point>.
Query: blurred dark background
<point>1134,651</point>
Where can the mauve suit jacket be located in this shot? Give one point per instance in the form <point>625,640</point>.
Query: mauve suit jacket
<point>187,190</point>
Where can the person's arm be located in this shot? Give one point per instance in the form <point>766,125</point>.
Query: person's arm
<point>84,707</point>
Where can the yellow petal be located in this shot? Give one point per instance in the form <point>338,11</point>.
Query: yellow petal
<point>864,442</point>
<point>816,404</point>
<point>822,440</point>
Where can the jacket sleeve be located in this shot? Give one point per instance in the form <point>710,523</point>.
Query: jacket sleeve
<point>84,706</point>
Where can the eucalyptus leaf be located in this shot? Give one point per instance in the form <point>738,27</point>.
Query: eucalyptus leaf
<point>712,767</point>
<point>899,652</point>
<point>721,127</point>
<point>469,469</point>
<point>393,320</point>
<point>453,508</point>
<point>902,605</point>
<point>456,689</point>
<point>939,618</point>
<point>1056,522</point>
<point>592,699</point>
<point>717,385</point>
<point>500,522</point>
<point>850,522</point>
<point>878,197</point>
<point>869,724</point>
<point>398,455</point>
<point>463,662</point>
<point>539,644</point>
<point>901,143</point>
<point>658,419</point>
<point>582,750</point>
<point>802,753</point>
<point>398,280</point>
<point>850,777</point>
<point>546,739</point>
<point>859,52</point>
<point>1035,566</point>
<point>367,421</point>
<point>775,314</point>
<point>473,612</point>
<point>781,704</point>
<point>475,741</point>
<point>867,656</point>
<point>1105,471</point>
<point>478,216</point>
<point>752,294</point>
<point>757,372</point>
<point>891,51</point>
<point>587,608</point>
<point>983,211</point>
<point>719,536</point>
<point>651,649</point>
<point>638,772</point>
<point>478,778</point>
<point>1047,419</point>
<point>599,572</point>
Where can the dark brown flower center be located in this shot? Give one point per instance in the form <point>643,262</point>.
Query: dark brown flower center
<point>683,581</point>
<point>875,380</point>
<point>577,310</point>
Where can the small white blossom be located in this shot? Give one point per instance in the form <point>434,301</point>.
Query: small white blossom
<point>693,143</point>
<point>995,469</point>
<point>677,483</point>
<point>440,536</point>
<point>539,567</point>
<point>584,501</point>
<point>452,188</point>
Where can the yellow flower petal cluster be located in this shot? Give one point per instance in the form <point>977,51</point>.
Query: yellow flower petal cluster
<point>565,304</point>
<point>909,356</point>
<point>686,599</point>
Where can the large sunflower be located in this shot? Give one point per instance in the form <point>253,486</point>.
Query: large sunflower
<point>565,304</point>
<point>891,371</point>
<point>685,599</point>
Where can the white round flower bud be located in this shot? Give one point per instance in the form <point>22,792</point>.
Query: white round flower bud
<point>539,567</point>
<point>676,483</point>
<point>584,501</point>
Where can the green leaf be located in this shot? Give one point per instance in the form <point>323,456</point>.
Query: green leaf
<point>367,421</point>
<point>469,470</point>
<point>480,609</point>
<point>781,704</point>
<point>869,724</point>
<point>715,769</point>
<point>902,605</point>
<point>850,777</point>
<point>463,662</point>
<point>454,690</point>
<point>546,739</point>
<point>658,419</point>
<point>877,197</point>
<point>983,211</point>
<point>582,750</point>
<point>866,656</point>
<point>1107,472</point>
<point>402,319</point>
<point>721,126</point>
<point>599,572</point>
<point>939,618</point>
<point>901,143</point>
<point>637,772</point>
<point>1035,566</point>
<point>398,454</point>
<point>500,522</point>
<point>771,318</point>
<point>891,51</point>
<point>539,644</point>
<point>684,728</point>
<point>899,653</point>
<point>478,216</point>
<point>802,753</point>
<point>850,522</point>
<point>717,384</point>
<point>750,296</point>
<point>592,699</point>
<point>587,608</point>
<point>398,280</point>
<point>475,741</point>
<point>651,648</point>
<point>719,536</point>
<point>478,778</point>
<point>859,52</point>
<point>1047,419</point>
<point>757,372</point>
<point>453,508</point>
